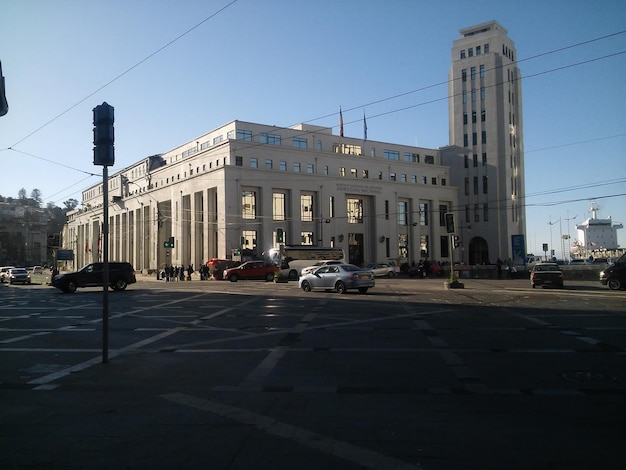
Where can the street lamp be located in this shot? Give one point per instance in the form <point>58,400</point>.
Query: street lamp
<point>569,243</point>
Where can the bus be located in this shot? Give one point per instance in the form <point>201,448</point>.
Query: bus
<point>292,258</point>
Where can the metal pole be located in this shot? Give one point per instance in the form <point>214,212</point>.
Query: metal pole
<point>105,266</point>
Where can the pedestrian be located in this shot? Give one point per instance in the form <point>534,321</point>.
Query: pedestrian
<point>189,272</point>
<point>499,268</point>
<point>181,273</point>
<point>427,268</point>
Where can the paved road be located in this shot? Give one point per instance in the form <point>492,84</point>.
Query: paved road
<point>262,375</point>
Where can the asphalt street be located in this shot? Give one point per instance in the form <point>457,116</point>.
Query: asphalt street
<point>214,374</point>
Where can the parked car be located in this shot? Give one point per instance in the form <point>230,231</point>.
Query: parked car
<point>338,277</point>
<point>121,274</point>
<point>19,276</point>
<point>251,270</point>
<point>4,273</point>
<point>310,269</point>
<point>546,274</point>
<point>615,275</point>
<point>382,269</point>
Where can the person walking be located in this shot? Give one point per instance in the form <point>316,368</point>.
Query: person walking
<point>499,268</point>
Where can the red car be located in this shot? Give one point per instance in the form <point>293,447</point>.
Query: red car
<point>251,270</point>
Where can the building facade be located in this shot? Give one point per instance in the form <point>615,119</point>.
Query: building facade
<point>235,187</point>
<point>486,120</point>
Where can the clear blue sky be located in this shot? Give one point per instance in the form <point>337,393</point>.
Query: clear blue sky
<point>283,62</point>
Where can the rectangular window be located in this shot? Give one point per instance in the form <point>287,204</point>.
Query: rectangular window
<point>218,139</point>
<point>299,143</point>
<point>486,48</point>
<point>476,214</point>
<point>355,210</point>
<point>272,139</point>
<point>373,152</point>
<point>244,135</point>
<point>238,161</point>
<point>433,181</point>
<point>475,184</point>
<point>443,208</point>
<point>268,164</point>
<point>485,185</point>
<point>402,213</point>
<point>278,209</point>
<point>467,214</point>
<point>485,212</point>
<point>392,176</point>
<point>392,155</point>
<point>484,137</point>
<point>254,162</point>
<point>483,94</point>
<point>354,172</point>
<point>326,169</point>
<point>424,180</point>
<point>465,141</point>
<point>306,207</point>
<point>319,145</point>
<point>482,71</point>
<point>474,138</point>
<point>462,54</point>
<point>473,73</point>
<point>248,205</point>
<point>464,96</point>
<point>282,166</point>
<point>464,75</point>
<point>473,117</point>
<point>342,171</point>
<point>443,182</point>
<point>403,178</point>
<point>477,50</point>
<point>484,159</point>
<point>473,95</point>
<point>411,157</point>
<point>331,206</point>
<point>365,174</point>
<point>429,159</point>
<point>466,161</point>
<point>414,179</point>
<point>475,160</point>
<point>423,214</point>
<point>310,169</point>
<point>483,115</point>
<point>296,167</point>
<point>386,210</point>
<point>424,248</point>
<point>467,185</point>
<point>306,238</point>
<point>470,52</point>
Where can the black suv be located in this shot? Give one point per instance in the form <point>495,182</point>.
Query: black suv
<point>120,275</point>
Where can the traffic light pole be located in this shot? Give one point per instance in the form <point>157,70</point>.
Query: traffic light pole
<point>105,265</point>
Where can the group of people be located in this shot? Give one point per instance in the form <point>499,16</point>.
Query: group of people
<point>425,268</point>
<point>176,273</point>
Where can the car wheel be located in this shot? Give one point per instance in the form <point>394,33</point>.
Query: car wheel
<point>340,287</point>
<point>614,284</point>
<point>391,274</point>
<point>269,277</point>
<point>363,290</point>
<point>120,284</point>
<point>293,275</point>
<point>306,286</point>
<point>70,288</point>
<point>232,278</point>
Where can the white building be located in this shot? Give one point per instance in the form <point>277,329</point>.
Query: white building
<point>233,187</point>
<point>485,103</point>
<point>596,236</point>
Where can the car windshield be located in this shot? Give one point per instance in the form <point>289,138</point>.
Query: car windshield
<point>18,271</point>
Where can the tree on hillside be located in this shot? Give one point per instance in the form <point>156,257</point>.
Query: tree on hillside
<point>70,204</point>
<point>21,194</point>
<point>35,195</point>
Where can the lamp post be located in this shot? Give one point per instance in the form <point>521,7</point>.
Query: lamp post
<point>569,243</point>
<point>551,224</point>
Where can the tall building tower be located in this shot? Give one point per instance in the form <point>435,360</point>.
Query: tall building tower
<point>486,124</point>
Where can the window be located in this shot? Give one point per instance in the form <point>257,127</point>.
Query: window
<point>365,174</point>
<point>484,137</point>
<point>282,165</point>
<point>244,135</point>
<point>272,139</point>
<point>470,52</point>
<point>402,213</point>
<point>373,152</point>
<point>326,169</point>
<point>414,179</point>
<point>423,214</point>
<point>485,185</point>
<point>238,161</point>
<point>484,159</point>
<point>485,212</point>
<point>310,169</point>
<point>391,155</point>
<point>248,205</point>
<point>443,208</point>
<point>342,171</point>
<point>299,143</point>
<point>306,238</point>
<point>464,118</point>
<point>353,172</point>
<point>424,248</point>
<point>473,73</point>
<point>483,115</point>
<point>486,48</point>
<point>464,96</point>
<point>424,180</point>
<point>465,141</point>
<point>473,95</point>
<point>467,214</point>
<point>403,178</point>
<point>476,214</point>
<point>462,54</point>
<point>482,71</point>
<point>443,182</point>
<point>473,117</point>
<point>411,157</point>
<point>467,185</point>
<point>268,164</point>
<point>429,159</point>
<point>355,210</point>
<point>483,93</point>
<point>319,145</point>
<point>278,206</point>
<point>386,209</point>
<point>306,207</point>
<point>475,184</point>
<point>218,139</point>
<point>474,138</point>
<point>296,167</point>
<point>331,206</point>
<point>464,75</point>
<point>392,176</point>
<point>254,162</point>
<point>380,175</point>
<point>477,50</point>
<point>433,180</point>
<point>347,149</point>
<point>475,160</point>
<point>466,161</point>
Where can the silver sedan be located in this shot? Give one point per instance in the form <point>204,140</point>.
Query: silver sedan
<point>338,277</point>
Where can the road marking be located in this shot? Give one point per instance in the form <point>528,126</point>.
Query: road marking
<point>350,452</point>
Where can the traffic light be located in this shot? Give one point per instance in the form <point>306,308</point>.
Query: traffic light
<point>103,135</point>
<point>450,226</point>
<point>456,242</point>
<point>169,243</point>
<point>280,235</point>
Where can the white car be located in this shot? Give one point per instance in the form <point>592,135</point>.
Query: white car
<point>5,271</point>
<point>310,269</point>
<point>382,269</point>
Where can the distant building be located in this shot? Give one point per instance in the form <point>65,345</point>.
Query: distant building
<point>23,234</point>
<point>486,121</point>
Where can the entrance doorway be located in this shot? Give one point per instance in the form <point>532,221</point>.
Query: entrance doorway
<point>355,249</point>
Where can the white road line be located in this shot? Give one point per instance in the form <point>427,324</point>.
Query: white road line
<point>344,450</point>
